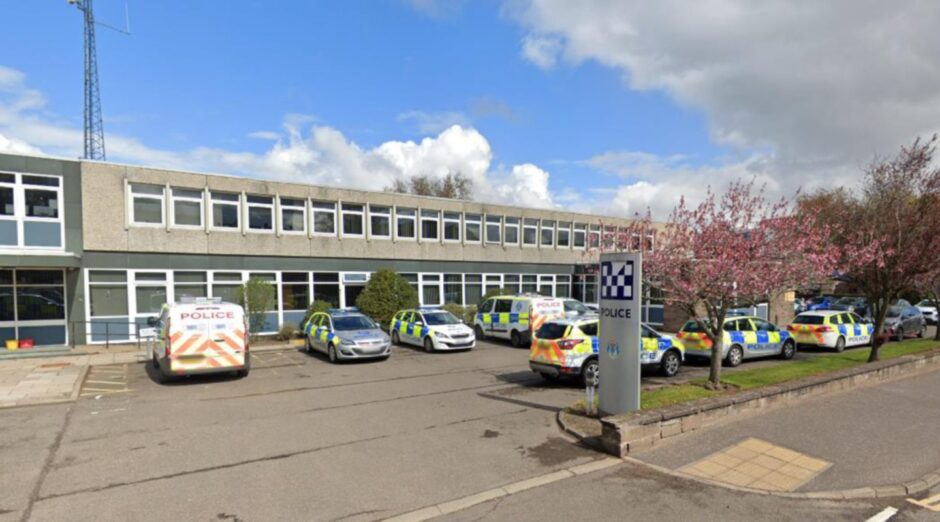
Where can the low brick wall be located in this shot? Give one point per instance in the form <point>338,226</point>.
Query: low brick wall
<point>639,430</point>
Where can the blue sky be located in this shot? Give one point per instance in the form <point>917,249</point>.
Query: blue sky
<point>216,74</point>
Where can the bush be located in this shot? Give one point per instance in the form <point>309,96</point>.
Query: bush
<point>287,332</point>
<point>499,291</point>
<point>315,307</point>
<point>385,294</point>
<point>257,296</point>
<point>464,313</point>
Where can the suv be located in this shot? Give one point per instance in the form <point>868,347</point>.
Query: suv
<point>432,328</point>
<point>345,334</point>
<point>513,317</point>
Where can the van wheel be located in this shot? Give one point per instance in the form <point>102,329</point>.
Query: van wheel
<point>244,371</point>
<point>154,361</point>
<point>396,340</point>
<point>735,356</point>
<point>332,352</point>
<point>515,339</point>
<point>789,350</point>
<point>428,344</point>
<point>670,363</point>
<point>840,344</point>
<point>590,373</point>
<point>478,332</point>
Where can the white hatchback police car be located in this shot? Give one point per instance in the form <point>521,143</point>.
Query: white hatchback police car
<point>432,328</point>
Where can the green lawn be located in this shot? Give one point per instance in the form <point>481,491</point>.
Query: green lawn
<point>748,379</point>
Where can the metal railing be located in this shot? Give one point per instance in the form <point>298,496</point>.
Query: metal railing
<point>114,332</point>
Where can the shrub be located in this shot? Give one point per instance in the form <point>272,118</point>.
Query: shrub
<point>316,306</point>
<point>257,296</point>
<point>385,294</point>
<point>287,332</point>
<point>464,313</point>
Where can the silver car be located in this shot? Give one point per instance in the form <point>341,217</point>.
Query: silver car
<point>575,309</point>
<point>345,335</point>
<point>902,322</point>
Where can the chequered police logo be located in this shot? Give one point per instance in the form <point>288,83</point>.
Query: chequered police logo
<point>617,280</point>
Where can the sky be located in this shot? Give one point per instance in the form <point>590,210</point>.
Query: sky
<point>604,106</point>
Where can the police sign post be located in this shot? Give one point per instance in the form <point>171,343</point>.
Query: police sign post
<point>619,335</point>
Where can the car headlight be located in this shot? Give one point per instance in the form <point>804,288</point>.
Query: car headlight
<point>442,335</point>
<point>347,342</point>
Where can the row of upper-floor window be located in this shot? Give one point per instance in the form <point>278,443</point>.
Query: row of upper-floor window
<point>31,211</point>
<point>172,207</point>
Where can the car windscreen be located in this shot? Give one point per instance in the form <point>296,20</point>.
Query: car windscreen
<point>691,326</point>
<point>847,300</point>
<point>809,319</point>
<point>439,318</point>
<point>353,322</point>
<point>552,331</point>
<point>575,306</point>
<point>894,311</point>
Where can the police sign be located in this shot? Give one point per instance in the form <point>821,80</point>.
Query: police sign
<point>620,302</point>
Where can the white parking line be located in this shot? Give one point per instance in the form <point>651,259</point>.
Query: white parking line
<point>885,515</point>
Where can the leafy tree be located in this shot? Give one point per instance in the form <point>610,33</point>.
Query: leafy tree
<point>453,186</point>
<point>732,249</point>
<point>385,294</point>
<point>258,297</point>
<point>887,234</point>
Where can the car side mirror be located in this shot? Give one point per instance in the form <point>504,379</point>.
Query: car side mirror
<point>152,321</point>
<point>419,323</point>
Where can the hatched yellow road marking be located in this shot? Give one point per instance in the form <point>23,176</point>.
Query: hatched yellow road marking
<point>929,503</point>
<point>105,380</point>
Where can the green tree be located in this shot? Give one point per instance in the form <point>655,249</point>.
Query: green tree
<point>455,185</point>
<point>385,294</point>
<point>258,297</point>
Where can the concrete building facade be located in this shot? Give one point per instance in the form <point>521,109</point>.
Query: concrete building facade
<point>90,250</point>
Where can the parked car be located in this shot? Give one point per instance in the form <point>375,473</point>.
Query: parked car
<point>929,310</point>
<point>744,338</point>
<point>831,329</point>
<point>594,307</point>
<point>513,317</point>
<point>902,322</point>
<point>575,308</point>
<point>345,334</point>
<point>857,305</point>
<point>569,348</point>
<point>432,328</point>
<point>820,302</point>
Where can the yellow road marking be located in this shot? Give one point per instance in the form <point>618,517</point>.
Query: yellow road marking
<point>930,503</point>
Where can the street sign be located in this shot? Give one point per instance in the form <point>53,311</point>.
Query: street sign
<point>619,336</point>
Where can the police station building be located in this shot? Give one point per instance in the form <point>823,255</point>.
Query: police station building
<point>90,250</point>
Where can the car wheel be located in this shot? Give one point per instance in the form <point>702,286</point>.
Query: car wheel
<point>428,344</point>
<point>591,373</point>
<point>396,340</point>
<point>840,344</point>
<point>899,334</point>
<point>515,339</point>
<point>735,356</point>
<point>307,346</point>
<point>549,377</point>
<point>479,333</point>
<point>244,371</point>
<point>670,363</point>
<point>789,350</point>
<point>332,353</point>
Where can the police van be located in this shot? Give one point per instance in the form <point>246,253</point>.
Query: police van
<point>198,336</point>
<point>514,317</point>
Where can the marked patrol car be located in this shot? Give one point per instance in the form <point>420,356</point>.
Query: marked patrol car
<point>744,338</point>
<point>198,336</point>
<point>569,347</point>
<point>345,334</point>
<point>515,317</point>
<point>831,329</point>
<point>432,328</point>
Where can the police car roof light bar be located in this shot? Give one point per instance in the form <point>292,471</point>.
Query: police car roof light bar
<point>188,299</point>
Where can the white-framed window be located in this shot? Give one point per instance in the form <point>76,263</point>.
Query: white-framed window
<point>324,218</point>
<point>293,215</point>
<point>380,222</point>
<point>548,233</point>
<point>225,210</point>
<point>353,214</point>
<point>405,225</point>
<point>471,223</point>
<point>430,225</point>
<point>431,289</point>
<point>530,232</point>
<point>494,229</point>
<point>580,235</point>
<point>146,202</point>
<point>31,211</point>
<point>594,236</point>
<point>564,234</point>
<point>260,213</point>
<point>187,207</point>
<point>636,242</point>
<point>511,231</point>
<point>562,285</point>
<point>451,227</point>
<point>547,285</point>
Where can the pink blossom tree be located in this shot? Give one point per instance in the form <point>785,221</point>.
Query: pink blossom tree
<point>731,250</point>
<point>888,233</point>
<point>928,285</point>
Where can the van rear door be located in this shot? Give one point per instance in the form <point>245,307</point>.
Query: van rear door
<point>206,337</point>
<point>225,326</point>
<point>543,310</point>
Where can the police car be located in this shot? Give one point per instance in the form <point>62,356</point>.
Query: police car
<point>432,328</point>
<point>569,347</point>
<point>345,334</point>
<point>514,317</point>
<point>831,329</point>
<point>744,338</point>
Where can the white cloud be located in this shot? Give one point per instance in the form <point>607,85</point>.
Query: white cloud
<point>304,152</point>
<point>434,122</point>
<point>816,88</point>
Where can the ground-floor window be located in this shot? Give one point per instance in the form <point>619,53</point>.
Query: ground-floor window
<point>32,307</point>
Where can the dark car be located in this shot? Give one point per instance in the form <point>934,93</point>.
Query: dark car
<point>856,305</point>
<point>822,302</point>
<point>902,322</point>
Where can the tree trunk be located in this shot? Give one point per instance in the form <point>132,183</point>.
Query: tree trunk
<point>936,332</point>
<point>714,372</point>
<point>880,311</point>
